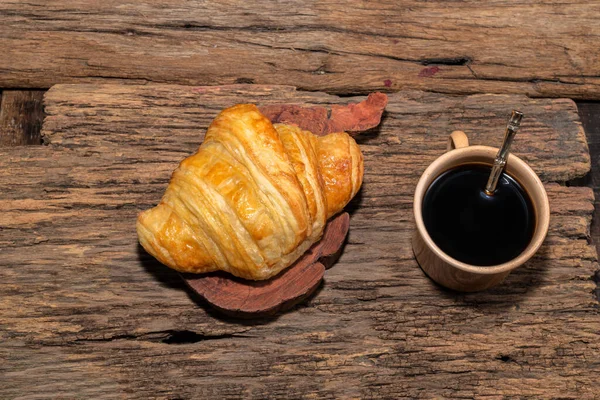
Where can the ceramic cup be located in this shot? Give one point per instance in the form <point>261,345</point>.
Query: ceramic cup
<point>455,274</point>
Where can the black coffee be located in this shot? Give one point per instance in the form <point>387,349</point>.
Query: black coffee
<point>473,227</point>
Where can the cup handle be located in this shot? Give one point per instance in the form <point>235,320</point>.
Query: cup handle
<point>457,140</point>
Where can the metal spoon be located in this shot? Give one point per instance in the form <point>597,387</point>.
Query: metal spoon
<point>502,156</point>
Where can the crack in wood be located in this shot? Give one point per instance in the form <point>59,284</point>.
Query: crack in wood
<point>446,61</point>
<point>174,337</point>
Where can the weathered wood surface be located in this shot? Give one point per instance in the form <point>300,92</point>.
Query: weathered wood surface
<point>21,117</point>
<point>84,312</point>
<point>539,48</point>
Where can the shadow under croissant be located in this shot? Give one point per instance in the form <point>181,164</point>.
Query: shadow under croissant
<point>355,203</point>
<point>164,275</point>
<point>259,300</point>
<point>170,278</point>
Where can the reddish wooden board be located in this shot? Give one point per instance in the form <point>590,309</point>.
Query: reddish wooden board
<point>243,298</point>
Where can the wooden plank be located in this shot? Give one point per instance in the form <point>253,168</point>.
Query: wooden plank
<point>21,117</point>
<point>538,48</point>
<point>551,129</point>
<point>85,312</point>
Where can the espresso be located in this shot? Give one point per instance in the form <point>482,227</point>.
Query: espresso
<point>473,227</point>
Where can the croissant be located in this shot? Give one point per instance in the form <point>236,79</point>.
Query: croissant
<point>253,198</point>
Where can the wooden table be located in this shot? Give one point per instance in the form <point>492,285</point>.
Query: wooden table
<point>86,313</point>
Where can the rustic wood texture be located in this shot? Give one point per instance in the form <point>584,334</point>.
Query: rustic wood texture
<point>21,117</point>
<point>85,313</point>
<point>539,48</point>
<point>250,299</point>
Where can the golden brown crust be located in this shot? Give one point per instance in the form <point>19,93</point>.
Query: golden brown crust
<point>303,157</point>
<point>252,199</point>
<point>341,166</point>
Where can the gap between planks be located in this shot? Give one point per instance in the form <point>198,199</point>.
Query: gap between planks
<point>21,117</point>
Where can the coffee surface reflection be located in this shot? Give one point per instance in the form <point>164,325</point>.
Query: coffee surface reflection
<point>473,227</point>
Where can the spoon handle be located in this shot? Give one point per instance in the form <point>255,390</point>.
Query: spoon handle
<point>502,156</point>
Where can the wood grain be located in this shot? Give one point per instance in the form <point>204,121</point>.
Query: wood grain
<point>21,117</point>
<point>542,48</point>
<point>84,312</point>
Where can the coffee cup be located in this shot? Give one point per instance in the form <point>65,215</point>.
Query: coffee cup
<point>457,274</point>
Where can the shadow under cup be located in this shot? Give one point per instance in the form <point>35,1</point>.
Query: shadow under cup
<point>458,275</point>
